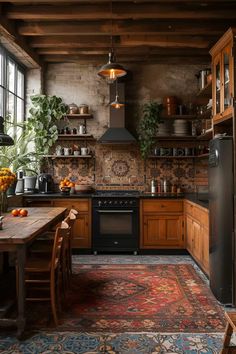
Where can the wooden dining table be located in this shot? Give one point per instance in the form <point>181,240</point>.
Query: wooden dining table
<point>17,234</point>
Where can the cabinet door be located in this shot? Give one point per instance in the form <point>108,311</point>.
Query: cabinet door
<point>82,229</point>
<point>81,232</point>
<point>163,231</point>
<point>205,248</point>
<point>227,76</point>
<point>196,249</point>
<point>217,84</point>
<point>189,234</point>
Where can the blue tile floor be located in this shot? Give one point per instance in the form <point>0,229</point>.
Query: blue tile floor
<point>119,343</point>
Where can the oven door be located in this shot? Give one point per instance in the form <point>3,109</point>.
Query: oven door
<point>115,229</point>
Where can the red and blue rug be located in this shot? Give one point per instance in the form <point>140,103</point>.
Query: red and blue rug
<point>139,298</point>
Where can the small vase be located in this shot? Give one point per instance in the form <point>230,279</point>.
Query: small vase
<point>3,203</point>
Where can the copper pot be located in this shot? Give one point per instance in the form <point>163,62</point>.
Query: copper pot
<point>83,109</point>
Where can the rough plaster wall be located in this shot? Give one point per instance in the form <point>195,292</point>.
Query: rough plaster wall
<point>34,85</point>
<point>81,84</point>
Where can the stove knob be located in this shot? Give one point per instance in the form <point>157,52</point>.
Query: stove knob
<point>131,202</point>
<point>110,202</point>
<point>99,203</point>
<point>121,202</point>
<point>105,202</point>
<point>115,202</point>
<point>126,202</point>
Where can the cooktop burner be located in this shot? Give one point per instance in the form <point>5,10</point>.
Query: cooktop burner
<point>120,193</point>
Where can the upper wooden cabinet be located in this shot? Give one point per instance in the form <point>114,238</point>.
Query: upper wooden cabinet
<point>223,77</point>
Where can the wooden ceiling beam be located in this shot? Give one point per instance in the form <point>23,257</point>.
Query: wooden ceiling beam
<point>99,60</point>
<point>120,11</point>
<point>124,51</point>
<point>173,2</point>
<point>17,44</point>
<point>123,27</point>
<point>124,41</point>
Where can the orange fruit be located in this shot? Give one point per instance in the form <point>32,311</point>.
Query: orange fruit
<point>15,212</point>
<point>23,212</point>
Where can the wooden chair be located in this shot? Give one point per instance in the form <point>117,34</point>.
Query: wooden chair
<point>42,273</point>
<point>230,328</point>
<point>43,246</point>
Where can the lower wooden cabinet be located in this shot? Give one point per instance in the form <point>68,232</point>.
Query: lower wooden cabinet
<point>162,224</point>
<point>197,234</point>
<point>82,227</point>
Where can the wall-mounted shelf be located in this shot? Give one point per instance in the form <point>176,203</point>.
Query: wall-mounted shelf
<point>80,116</point>
<point>172,157</point>
<point>203,155</point>
<point>76,137</point>
<point>69,156</point>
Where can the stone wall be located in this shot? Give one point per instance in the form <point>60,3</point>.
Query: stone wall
<point>122,166</point>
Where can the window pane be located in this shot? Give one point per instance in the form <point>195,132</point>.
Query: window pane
<point>1,101</point>
<point>20,110</point>
<point>20,84</point>
<point>11,76</point>
<point>10,105</point>
<point>1,69</point>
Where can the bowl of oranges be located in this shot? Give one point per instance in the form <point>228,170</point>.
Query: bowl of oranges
<point>66,187</point>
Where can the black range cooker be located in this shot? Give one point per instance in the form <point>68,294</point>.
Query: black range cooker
<point>115,226</point>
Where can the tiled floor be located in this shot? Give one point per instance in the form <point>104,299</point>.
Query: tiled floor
<point>121,343</point>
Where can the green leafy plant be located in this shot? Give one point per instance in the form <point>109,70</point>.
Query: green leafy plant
<point>148,126</point>
<point>45,112</point>
<point>19,156</point>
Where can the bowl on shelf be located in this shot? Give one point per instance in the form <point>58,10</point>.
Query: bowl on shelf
<point>83,188</point>
<point>65,190</point>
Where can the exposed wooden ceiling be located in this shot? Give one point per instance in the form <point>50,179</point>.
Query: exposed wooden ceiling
<point>142,31</point>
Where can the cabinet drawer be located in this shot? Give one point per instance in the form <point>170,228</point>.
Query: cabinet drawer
<point>175,206</point>
<point>80,205</point>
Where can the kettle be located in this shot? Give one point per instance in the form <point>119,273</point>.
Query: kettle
<point>45,183</point>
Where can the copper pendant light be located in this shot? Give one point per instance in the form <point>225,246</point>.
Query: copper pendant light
<point>116,104</point>
<point>112,70</point>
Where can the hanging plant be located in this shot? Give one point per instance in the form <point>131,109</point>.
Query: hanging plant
<point>148,126</point>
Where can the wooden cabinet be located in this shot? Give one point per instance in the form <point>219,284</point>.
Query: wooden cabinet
<point>162,224</point>
<point>223,77</point>
<point>197,233</point>
<point>82,226</point>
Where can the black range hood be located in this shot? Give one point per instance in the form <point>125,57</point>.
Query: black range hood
<point>117,133</point>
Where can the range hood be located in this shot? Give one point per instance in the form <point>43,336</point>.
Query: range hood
<point>117,133</point>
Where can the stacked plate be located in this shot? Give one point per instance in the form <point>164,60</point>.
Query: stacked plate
<point>181,127</point>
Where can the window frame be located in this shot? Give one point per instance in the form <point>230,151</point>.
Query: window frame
<point>5,87</point>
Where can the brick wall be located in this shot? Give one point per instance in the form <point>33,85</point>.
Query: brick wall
<point>122,167</point>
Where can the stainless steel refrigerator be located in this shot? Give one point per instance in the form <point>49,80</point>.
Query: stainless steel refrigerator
<point>221,213</point>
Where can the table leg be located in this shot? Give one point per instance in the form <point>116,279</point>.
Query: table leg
<point>21,251</point>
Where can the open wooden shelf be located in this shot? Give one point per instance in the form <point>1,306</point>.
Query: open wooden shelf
<point>69,156</point>
<point>171,157</point>
<point>208,135</point>
<point>76,137</point>
<point>82,116</point>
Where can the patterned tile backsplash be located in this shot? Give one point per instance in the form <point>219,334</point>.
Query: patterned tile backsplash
<point>121,167</point>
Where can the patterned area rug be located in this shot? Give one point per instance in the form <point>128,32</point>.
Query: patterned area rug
<point>144,298</point>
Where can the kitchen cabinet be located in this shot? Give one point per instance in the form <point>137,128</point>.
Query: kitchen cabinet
<point>162,224</point>
<point>223,77</point>
<point>81,234</point>
<point>197,233</point>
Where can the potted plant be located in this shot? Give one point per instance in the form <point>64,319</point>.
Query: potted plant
<point>148,126</point>
<point>45,112</point>
<point>18,156</point>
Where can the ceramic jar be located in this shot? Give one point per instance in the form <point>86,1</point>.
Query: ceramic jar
<point>83,109</point>
<point>73,108</point>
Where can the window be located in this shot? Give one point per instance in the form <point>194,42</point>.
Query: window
<point>12,89</point>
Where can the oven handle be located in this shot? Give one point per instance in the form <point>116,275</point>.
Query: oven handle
<point>115,211</point>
